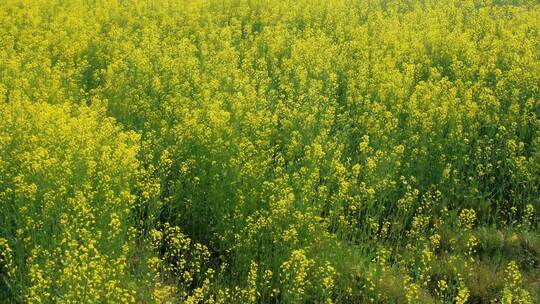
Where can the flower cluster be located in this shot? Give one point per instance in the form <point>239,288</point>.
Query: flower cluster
<point>266,151</point>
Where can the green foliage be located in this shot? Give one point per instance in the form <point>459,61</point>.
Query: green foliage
<point>269,151</point>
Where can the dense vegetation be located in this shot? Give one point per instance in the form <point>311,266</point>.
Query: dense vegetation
<point>267,151</point>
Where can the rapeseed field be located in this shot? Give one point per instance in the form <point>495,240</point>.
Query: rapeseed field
<point>269,151</point>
